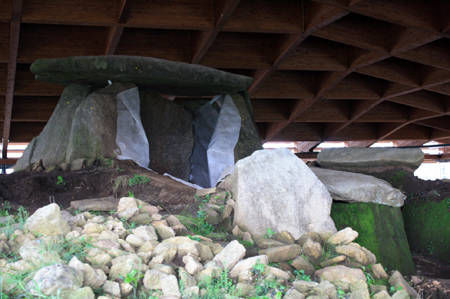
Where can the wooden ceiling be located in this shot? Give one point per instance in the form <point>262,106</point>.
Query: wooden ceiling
<point>324,70</point>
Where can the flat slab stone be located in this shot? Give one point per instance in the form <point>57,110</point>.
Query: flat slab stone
<point>105,204</point>
<point>360,159</point>
<point>168,77</point>
<point>356,187</point>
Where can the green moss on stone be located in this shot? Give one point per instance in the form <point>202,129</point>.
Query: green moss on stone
<point>380,229</point>
<point>427,225</point>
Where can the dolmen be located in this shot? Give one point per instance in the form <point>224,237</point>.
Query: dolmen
<point>119,107</point>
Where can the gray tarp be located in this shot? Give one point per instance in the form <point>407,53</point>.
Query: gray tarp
<point>131,138</point>
<point>216,135</point>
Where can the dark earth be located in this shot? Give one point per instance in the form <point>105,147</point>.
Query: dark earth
<point>33,190</point>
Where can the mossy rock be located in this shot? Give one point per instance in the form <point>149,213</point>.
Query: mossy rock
<point>427,225</point>
<point>380,229</point>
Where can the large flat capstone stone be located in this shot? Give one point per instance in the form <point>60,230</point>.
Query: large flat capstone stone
<point>360,159</point>
<point>168,77</point>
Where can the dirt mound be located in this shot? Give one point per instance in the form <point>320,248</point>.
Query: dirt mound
<point>118,178</point>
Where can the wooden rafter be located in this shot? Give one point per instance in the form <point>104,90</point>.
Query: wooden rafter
<point>207,38</point>
<point>14,36</point>
<point>115,31</point>
<point>319,16</point>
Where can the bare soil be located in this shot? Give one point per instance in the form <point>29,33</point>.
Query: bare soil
<point>33,190</point>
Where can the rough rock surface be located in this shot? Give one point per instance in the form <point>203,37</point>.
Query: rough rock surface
<point>168,77</point>
<point>56,131</point>
<point>169,131</point>
<point>341,276</point>
<point>355,187</point>
<point>274,189</point>
<point>249,140</point>
<point>360,159</point>
<point>53,279</point>
<point>380,230</point>
<point>108,254</point>
<point>47,221</point>
<point>82,126</point>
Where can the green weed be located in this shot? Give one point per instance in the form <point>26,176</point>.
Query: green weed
<point>269,234</point>
<point>60,180</point>
<point>218,287</point>
<point>300,275</point>
<point>138,180</point>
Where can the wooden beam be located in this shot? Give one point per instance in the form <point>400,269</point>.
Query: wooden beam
<point>414,97</point>
<point>305,146</point>
<point>389,129</point>
<point>441,123</point>
<point>207,38</point>
<point>423,100</point>
<point>307,155</point>
<point>8,161</point>
<point>114,35</point>
<point>316,17</point>
<point>313,155</point>
<point>11,75</point>
<point>360,143</point>
<point>415,14</point>
<point>115,32</point>
<point>400,143</point>
<point>328,83</point>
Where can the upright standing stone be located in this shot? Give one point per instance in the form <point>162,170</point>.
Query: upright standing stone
<point>94,126</point>
<point>380,229</point>
<point>274,189</point>
<point>169,131</point>
<point>50,146</point>
<point>249,140</point>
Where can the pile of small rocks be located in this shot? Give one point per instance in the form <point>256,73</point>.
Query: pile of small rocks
<point>139,250</point>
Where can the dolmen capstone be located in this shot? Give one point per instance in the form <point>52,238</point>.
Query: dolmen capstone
<point>370,160</point>
<point>116,107</point>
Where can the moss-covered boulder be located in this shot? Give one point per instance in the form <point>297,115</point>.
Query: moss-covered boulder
<point>380,229</point>
<point>427,224</point>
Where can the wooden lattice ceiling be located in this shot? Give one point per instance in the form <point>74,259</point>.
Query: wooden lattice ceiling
<point>352,70</point>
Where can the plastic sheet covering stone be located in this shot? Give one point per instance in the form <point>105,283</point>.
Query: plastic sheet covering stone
<point>131,138</point>
<point>216,135</point>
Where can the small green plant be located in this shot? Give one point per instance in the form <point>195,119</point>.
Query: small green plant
<point>138,180</point>
<point>108,162</point>
<point>247,244</point>
<point>133,277</point>
<point>394,289</point>
<point>68,249</point>
<point>300,274</point>
<point>130,194</point>
<point>128,225</point>
<point>258,270</point>
<point>269,234</point>
<point>60,180</point>
<point>369,277</point>
<point>6,207</point>
<point>203,227</point>
<point>195,238</point>
<point>340,293</point>
<point>218,287</point>
<point>270,288</point>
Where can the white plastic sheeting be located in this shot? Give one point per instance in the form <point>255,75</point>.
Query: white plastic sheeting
<point>216,135</point>
<point>131,138</point>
